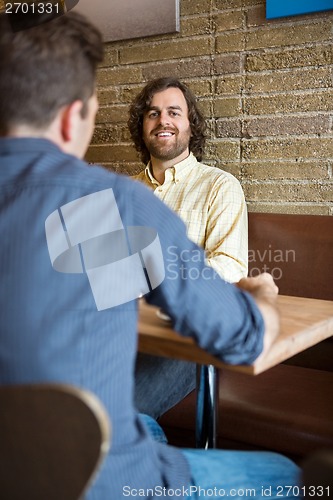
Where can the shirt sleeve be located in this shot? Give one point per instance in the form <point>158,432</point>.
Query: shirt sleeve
<point>221,318</point>
<point>226,242</point>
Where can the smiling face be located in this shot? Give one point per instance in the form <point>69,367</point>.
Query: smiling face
<point>166,127</point>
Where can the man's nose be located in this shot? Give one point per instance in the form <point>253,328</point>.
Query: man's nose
<point>164,118</point>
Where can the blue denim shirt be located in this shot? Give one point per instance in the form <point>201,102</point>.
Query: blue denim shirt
<point>51,329</point>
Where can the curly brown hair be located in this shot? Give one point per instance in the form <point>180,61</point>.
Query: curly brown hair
<point>142,102</point>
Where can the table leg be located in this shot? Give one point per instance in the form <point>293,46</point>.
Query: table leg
<point>207,406</point>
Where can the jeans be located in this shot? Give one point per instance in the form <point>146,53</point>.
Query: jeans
<point>237,474</point>
<point>160,383</point>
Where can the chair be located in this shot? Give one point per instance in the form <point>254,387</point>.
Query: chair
<point>53,439</point>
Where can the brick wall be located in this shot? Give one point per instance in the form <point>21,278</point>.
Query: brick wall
<point>264,86</point>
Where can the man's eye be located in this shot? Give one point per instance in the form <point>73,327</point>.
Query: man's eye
<point>174,113</point>
<point>154,114</point>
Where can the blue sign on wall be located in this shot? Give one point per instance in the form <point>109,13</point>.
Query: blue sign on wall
<point>282,8</point>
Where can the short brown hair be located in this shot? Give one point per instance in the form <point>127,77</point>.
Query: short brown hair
<point>46,67</point>
<point>141,104</point>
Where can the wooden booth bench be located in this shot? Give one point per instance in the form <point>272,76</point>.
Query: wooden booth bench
<point>289,408</point>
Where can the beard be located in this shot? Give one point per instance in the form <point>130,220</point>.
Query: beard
<point>171,149</point>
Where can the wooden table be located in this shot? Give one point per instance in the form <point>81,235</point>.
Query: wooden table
<point>304,322</point>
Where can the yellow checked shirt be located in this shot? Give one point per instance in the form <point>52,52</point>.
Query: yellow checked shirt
<point>212,205</point>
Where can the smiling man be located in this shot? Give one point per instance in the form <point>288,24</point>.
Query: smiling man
<point>168,130</point>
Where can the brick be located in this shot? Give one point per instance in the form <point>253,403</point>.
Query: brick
<point>195,26</point>
<point>289,208</point>
<point>205,107</point>
<point>166,50</point>
<point>200,88</point>
<point>118,76</point>
<point>128,93</point>
<point>112,114</point>
<point>226,64</point>
<point>229,85</point>
<point>125,135</point>
<point>251,3</point>
<point>228,128</point>
<point>111,57</point>
<point>298,79</point>
<point>200,66</point>
<point>111,153</point>
<point>256,16</point>
<point>309,56</point>
<point>106,135</point>
<point>289,35</point>
<point>227,4</point>
<point>107,96</point>
<point>230,42</point>
<point>210,129</point>
<point>111,134</point>
<point>288,191</point>
<point>129,169</point>
<point>234,4</point>
<point>327,191</point>
<point>286,125</point>
<point>222,150</point>
<point>285,170</point>
<point>227,106</point>
<point>188,7</point>
<point>231,167</point>
<point>225,21</point>
<point>290,148</point>
<point>288,103</point>
<point>132,168</point>
<point>123,167</point>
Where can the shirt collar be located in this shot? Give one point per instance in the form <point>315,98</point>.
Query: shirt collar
<point>173,174</point>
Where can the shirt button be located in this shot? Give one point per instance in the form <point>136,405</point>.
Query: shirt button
<point>160,190</point>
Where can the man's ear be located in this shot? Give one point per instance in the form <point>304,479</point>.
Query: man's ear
<point>70,116</point>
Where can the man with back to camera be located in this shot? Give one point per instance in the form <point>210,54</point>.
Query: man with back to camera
<point>168,130</point>
<point>56,326</point>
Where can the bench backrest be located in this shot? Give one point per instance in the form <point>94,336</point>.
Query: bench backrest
<point>296,249</point>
